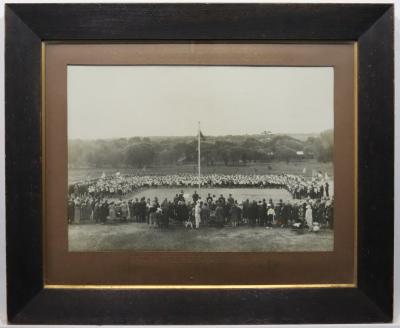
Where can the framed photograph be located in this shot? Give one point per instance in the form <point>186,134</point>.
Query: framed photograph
<point>199,164</point>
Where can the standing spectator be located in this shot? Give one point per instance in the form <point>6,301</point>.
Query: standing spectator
<point>205,213</point>
<point>165,205</point>
<point>253,213</point>
<point>329,215</point>
<point>142,210</point>
<point>263,213</point>
<point>124,211</point>
<point>112,212</point>
<point>246,206</point>
<point>182,212</point>
<point>235,214</point>
<point>327,189</point>
<point>284,209</point>
<point>219,215</point>
<point>197,214</point>
<point>309,217</point>
<point>270,216</point>
<point>71,210</point>
<point>77,214</point>
<point>130,210</point>
<point>195,197</point>
<point>97,212</point>
<point>105,209</point>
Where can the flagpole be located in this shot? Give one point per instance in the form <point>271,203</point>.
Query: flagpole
<point>199,157</point>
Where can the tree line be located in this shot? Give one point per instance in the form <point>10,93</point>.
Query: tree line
<point>229,150</point>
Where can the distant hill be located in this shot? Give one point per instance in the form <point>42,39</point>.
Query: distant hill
<point>228,150</point>
<point>262,137</point>
<point>302,136</point>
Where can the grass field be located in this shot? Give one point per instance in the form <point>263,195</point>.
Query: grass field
<point>77,174</point>
<point>140,236</point>
<point>240,194</point>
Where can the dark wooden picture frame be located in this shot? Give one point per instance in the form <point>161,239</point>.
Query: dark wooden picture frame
<point>27,26</point>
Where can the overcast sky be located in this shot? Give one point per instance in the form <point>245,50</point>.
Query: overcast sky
<point>127,101</point>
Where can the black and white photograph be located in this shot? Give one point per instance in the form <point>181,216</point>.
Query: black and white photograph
<point>200,158</point>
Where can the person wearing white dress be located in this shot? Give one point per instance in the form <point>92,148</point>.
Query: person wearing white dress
<point>197,212</point>
<point>309,217</point>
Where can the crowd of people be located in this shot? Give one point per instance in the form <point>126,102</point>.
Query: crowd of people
<point>118,185</point>
<point>311,207</point>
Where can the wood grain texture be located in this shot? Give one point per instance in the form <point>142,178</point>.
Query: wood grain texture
<point>27,25</point>
<point>200,307</point>
<point>23,163</point>
<point>376,162</point>
<point>199,21</point>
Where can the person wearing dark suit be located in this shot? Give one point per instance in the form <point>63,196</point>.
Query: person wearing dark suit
<point>142,210</point>
<point>219,215</point>
<point>235,214</point>
<point>71,211</point>
<point>253,213</point>
<point>327,189</point>
<point>263,213</point>
<point>195,197</point>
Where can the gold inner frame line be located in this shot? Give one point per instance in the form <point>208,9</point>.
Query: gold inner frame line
<point>188,287</point>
